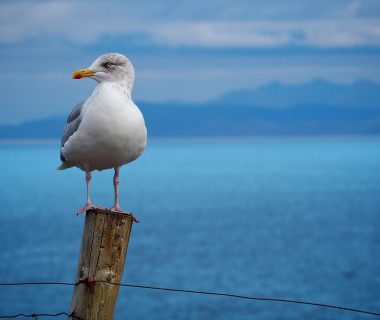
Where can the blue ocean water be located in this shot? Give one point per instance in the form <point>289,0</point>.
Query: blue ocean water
<point>286,218</point>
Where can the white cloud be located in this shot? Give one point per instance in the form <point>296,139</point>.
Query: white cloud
<point>80,22</point>
<point>63,20</point>
<point>320,33</point>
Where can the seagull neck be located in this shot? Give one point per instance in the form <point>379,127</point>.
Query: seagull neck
<point>122,87</point>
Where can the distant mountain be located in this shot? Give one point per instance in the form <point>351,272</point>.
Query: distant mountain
<point>275,109</point>
<point>318,92</point>
<point>51,127</point>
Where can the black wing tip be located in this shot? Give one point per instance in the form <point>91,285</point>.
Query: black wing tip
<point>62,157</point>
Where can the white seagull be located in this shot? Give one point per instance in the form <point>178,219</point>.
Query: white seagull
<point>107,130</point>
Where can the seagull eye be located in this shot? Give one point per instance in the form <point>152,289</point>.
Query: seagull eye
<point>107,64</point>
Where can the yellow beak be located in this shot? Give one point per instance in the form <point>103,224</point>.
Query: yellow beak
<point>81,73</point>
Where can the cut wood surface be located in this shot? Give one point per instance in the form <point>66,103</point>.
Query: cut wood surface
<point>102,257</point>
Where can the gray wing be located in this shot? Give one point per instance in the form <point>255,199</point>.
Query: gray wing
<point>73,122</point>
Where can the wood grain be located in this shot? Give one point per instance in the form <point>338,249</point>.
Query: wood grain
<point>102,257</point>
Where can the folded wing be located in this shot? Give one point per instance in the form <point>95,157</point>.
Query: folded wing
<point>73,122</point>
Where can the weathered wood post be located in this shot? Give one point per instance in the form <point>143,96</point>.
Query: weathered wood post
<point>102,257</point>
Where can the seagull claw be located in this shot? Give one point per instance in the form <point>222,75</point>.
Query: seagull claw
<point>119,211</point>
<point>89,206</point>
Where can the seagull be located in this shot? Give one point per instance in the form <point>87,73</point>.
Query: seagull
<point>106,130</point>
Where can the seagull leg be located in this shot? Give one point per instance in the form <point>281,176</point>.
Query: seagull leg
<point>116,207</point>
<point>88,204</point>
<point>116,181</point>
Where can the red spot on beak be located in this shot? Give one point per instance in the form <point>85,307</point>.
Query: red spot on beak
<point>82,73</point>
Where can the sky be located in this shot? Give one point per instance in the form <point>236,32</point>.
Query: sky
<point>184,50</point>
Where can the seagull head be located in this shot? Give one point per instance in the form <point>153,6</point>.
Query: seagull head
<point>109,67</point>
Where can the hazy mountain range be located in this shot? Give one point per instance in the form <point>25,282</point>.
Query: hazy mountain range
<point>318,107</point>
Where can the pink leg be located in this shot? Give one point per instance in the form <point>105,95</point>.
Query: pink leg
<point>88,204</point>
<point>116,181</point>
<point>116,207</point>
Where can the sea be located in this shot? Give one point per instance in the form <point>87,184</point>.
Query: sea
<point>288,218</point>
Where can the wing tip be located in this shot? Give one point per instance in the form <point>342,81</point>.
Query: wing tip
<point>64,166</point>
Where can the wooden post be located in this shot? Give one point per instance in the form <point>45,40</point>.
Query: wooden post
<point>102,256</point>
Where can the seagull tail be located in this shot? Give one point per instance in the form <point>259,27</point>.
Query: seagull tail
<point>64,166</point>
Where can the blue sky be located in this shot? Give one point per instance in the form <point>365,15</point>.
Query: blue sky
<point>181,50</point>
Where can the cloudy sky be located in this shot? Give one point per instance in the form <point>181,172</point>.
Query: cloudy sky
<point>182,50</point>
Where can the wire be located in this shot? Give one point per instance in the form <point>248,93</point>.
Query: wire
<point>93,282</point>
<point>254,298</point>
<point>35,315</point>
<point>38,284</point>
